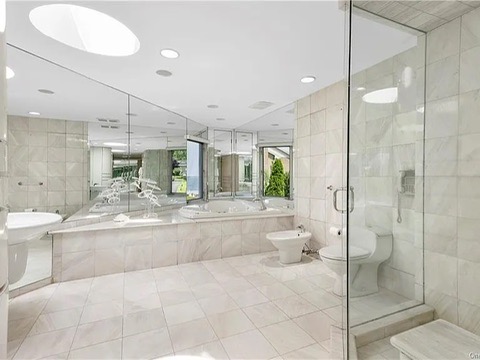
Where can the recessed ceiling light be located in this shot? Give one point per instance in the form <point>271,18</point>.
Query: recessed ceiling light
<point>212,106</point>
<point>131,114</point>
<point>275,124</point>
<point>169,53</point>
<point>10,73</point>
<point>85,29</point>
<point>308,79</point>
<point>114,144</point>
<point>361,88</point>
<point>220,119</point>
<point>164,73</point>
<point>382,96</point>
<point>46,91</point>
<point>35,113</point>
<point>170,123</point>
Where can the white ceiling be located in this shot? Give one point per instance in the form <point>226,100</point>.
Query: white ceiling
<point>232,54</point>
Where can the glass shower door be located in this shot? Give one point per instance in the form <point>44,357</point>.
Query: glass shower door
<point>385,160</point>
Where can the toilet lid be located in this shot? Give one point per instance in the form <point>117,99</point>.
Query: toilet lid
<point>335,252</point>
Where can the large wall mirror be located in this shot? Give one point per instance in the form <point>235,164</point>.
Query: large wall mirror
<point>88,151</point>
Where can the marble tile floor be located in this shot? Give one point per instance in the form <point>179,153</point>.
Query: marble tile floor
<point>247,307</point>
<point>378,350</point>
<point>39,263</point>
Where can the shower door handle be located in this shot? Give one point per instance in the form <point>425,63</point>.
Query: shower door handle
<point>335,200</point>
<point>352,199</point>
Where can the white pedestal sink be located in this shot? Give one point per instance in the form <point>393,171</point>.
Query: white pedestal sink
<point>24,227</point>
<point>289,244</point>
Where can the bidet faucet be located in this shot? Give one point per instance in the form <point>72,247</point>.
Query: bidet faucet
<point>301,227</point>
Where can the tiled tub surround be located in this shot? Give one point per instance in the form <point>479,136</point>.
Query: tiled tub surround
<point>452,172</point>
<point>108,248</point>
<point>246,307</point>
<point>52,152</point>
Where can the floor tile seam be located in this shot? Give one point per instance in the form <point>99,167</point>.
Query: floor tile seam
<point>81,315</point>
<point>50,331</point>
<point>218,336</point>
<point>33,324</point>
<point>96,344</point>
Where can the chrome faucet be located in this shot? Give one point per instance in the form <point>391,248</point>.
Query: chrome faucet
<point>261,201</point>
<point>301,227</point>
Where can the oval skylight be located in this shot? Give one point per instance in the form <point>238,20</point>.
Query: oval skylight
<point>383,96</point>
<point>85,29</point>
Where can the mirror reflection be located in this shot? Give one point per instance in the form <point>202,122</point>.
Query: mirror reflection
<point>86,151</point>
<point>221,163</point>
<point>148,168</point>
<point>271,155</point>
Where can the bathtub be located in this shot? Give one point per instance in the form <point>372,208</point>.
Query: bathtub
<point>225,208</point>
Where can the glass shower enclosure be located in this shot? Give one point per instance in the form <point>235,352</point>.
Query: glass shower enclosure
<point>383,172</point>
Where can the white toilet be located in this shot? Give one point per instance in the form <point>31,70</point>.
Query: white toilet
<point>289,244</point>
<point>369,247</point>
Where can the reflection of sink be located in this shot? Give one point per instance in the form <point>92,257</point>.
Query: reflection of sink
<point>289,244</point>
<point>24,227</point>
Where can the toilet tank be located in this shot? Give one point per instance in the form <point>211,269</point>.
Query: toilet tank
<point>376,240</point>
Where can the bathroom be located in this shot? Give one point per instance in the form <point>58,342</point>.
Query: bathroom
<point>312,206</point>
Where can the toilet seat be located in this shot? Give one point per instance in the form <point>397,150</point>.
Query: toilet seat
<point>335,252</point>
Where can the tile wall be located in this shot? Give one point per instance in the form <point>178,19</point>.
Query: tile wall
<point>318,145</point>
<point>452,199</point>
<point>83,254</point>
<point>387,139</point>
<point>50,152</point>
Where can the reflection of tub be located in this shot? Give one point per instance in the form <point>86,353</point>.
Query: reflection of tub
<point>279,203</point>
<point>225,208</point>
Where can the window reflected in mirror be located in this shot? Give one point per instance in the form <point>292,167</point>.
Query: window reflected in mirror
<point>276,171</point>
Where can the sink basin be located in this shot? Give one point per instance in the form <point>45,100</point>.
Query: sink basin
<point>289,244</point>
<point>22,228</point>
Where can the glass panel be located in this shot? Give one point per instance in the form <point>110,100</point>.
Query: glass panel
<point>385,166</point>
